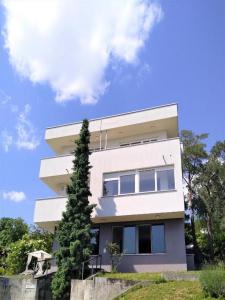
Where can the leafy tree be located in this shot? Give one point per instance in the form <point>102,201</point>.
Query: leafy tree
<point>17,257</point>
<point>11,230</point>
<point>74,230</point>
<point>210,204</point>
<point>193,156</point>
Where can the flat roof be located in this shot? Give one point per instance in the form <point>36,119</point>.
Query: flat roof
<point>115,115</point>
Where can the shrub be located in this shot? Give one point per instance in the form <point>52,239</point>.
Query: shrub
<point>2,271</point>
<point>115,255</point>
<point>213,281</point>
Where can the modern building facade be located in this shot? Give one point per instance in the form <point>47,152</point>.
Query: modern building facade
<point>135,181</point>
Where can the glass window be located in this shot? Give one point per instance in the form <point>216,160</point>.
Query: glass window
<point>129,241</point>
<point>144,239</point>
<point>118,237</point>
<point>95,241</point>
<point>127,184</point>
<point>147,181</point>
<point>110,188</point>
<point>158,239</point>
<point>165,180</point>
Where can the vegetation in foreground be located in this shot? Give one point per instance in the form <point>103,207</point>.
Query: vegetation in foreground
<point>74,230</point>
<point>174,290</point>
<point>16,241</point>
<point>134,276</point>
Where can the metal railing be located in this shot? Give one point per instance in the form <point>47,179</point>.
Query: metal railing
<point>94,262</point>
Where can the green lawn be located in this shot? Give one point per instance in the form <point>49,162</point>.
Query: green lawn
<point>173,290</point>
<point>133,276</point>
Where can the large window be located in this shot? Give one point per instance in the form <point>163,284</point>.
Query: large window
<point>165,180</point>
<point>95,241</point>
<point>129,240</point>
<point>127,184</point>
<point>147,181</point>
<point>144,239</point>
<point>141,239</point>
<point>110,188</point>
<point>118,237</point>
<point>158,179</point>
<point>158,239</point>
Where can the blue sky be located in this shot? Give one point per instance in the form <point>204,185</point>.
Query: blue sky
<point>177,56</point>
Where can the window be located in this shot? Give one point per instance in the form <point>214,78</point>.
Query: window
<point>95,241</point>
<point>135,181</point>
<point>144,239</point>
<point>158,239</point>
<point>129,240</point>
<point>147,181</point>
<point>165,180</point>
<point>127,184</point>
<point>150,238</point>
<point>110,187</point>
<point>118,237</point>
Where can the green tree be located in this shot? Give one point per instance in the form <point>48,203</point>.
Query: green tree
<point>11,230</point>
<point>74,230</point>
<point>210,202</point>
<point>17,256</point>
<point>193,156</point>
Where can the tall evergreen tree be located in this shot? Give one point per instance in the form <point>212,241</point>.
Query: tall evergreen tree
<point>210,204</point>
<point>74,230</point>
<point>193,156</point>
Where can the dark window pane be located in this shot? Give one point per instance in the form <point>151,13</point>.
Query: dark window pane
<point>144,242</point>
<point>158,239</point>
<point>127,184</point>
<point>118,237</point>
<point>129,241</point>
<point>147,181</point>
<point>95,241</point>
<point>110,188</point>
<point>165,180</point>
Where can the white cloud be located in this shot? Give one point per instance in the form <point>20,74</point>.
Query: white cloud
<point>4,98</point>
<point>6,140</point>
<point>69,44</point>
<point>26,133</point>
<point>14,196</point>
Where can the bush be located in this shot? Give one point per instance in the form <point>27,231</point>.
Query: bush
<point>213,282</point>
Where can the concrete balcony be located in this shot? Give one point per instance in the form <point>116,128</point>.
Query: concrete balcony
<point>56,171</point>
<point>132,207</point>
<point>139,206</point>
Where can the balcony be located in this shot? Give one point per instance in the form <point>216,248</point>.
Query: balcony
<point>132,207</point>
<point>140,206</point>
<point>56,171</point>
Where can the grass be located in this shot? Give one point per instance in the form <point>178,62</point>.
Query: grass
<point>133,276</point>
<point>173,290</point>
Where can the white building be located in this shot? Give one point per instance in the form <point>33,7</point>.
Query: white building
<point>136,182</point>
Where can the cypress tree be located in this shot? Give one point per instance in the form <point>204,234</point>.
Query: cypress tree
<point>74,230</point>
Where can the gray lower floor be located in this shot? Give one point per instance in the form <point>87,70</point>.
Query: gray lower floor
<point>172,258</point>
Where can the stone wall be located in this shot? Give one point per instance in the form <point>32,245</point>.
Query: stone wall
<point>99,288</point>
<point>17,288</point>
<point>26,288</point>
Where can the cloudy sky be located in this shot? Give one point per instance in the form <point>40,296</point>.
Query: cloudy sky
<point>62,61</point>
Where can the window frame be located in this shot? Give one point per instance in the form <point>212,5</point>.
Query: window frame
<point>156,178</point>
<point>164,237</point>
<point>137,238</point>
<point>99,237</point>
<point>108,180</point>
<point>123,175</point>
<point>136,173</point>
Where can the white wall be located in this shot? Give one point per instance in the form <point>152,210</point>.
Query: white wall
<point>121,159</point>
